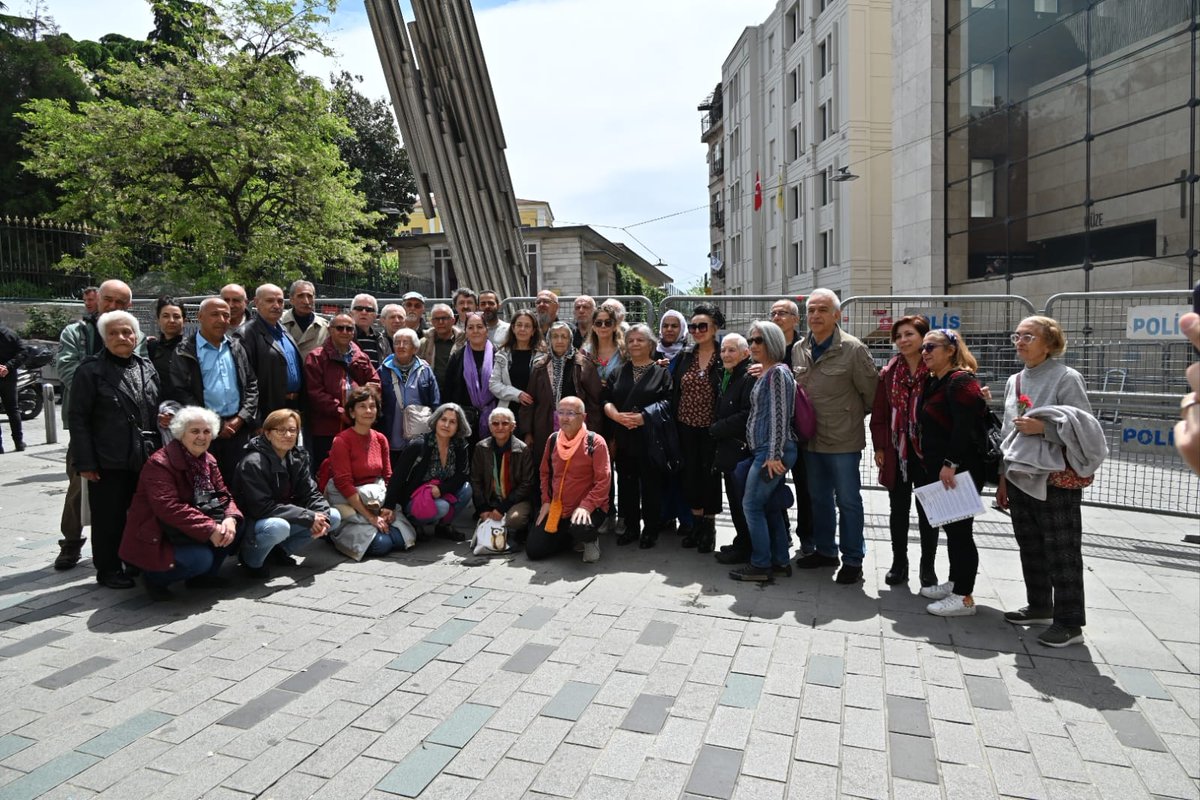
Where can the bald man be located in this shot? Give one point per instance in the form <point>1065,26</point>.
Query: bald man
<point>273,353</point>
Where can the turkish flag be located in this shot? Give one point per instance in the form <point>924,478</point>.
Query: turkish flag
<point>757,192</point>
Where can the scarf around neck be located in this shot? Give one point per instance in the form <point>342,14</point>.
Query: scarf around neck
<point>558,367</point>
<point>672,350</point>
<point>477,381</point>
<point>904,395</point>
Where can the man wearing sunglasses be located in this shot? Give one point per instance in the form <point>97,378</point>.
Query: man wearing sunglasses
<point>440,342</point>
<point>369,338</point>
<point>331,373</point>
<point>839,375</point>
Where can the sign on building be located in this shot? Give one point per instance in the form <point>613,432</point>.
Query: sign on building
<point>1155,436</point>
<point>949,318</point>
<point>1155,322</point>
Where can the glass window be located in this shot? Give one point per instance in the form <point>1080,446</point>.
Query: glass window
<point>1149,153</point>
<point>983,86</point>
<point>1157,78</point>
<point>1149,224</point>
<point>1047,59</point>
<point>1051,119</point>
<point>1048,181</point>
<point>1118,27</point>
<point>983,189</point>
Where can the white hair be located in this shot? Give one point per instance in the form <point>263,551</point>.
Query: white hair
<point>109,317</point>
<point>443,307</point>
<point>365,296</point>
<point>189,414</point>
<point>829,295</point>
<point>406,333</point>
<point>501,411</point>
<point>389,308</point>
<point>737,339</point>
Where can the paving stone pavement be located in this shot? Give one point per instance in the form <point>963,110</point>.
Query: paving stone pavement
<point>649,675</point>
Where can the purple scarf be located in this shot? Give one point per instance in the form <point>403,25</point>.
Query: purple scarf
<point>477,384</point>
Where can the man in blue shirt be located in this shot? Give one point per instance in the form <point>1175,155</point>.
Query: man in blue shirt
<point>212,370</point>
<point>273,354</point>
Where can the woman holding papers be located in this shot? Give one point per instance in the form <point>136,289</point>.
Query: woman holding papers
<point>1052,446</point>
<point>949,449</point>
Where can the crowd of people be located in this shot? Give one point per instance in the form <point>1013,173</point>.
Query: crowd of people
<point>269,426</point>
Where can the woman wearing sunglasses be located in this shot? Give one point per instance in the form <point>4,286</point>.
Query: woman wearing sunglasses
<point>606,349</point>
<point>695,385</point>
<point>948,448</point>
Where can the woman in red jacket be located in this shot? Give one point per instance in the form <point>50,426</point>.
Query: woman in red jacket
<point>331,373</point>
<point>182,521</point>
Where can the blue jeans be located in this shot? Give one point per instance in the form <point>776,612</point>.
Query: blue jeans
<point>190,560</point>
<point>834,477</point>
<point>384,543</point>
<point>291,536</point>
<point>768,529</point>
<point>462,502</point>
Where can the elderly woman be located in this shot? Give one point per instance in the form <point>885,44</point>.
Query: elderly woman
<point>728,431</point>
<point>949,426</point>
<point>504,477</point>
<point>640,392</point>
<point>113,419</point>
<point>431,483</point>
<point>513,367</point>
<point>182,522</point>
<point>557,375</point>
<point>894,419</point>
<point>331,373</point>
<point>1041,481</point>
<point>407,382</point>
<point>773,444</point>
<point>274,488</point>
<point>469,374</point>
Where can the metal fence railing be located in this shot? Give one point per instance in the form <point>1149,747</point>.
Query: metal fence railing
<point>637,307</point>
<point>740,310</point>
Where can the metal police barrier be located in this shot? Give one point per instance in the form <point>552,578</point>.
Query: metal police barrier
<point>1132,356</point>
<point>740,310</point>
<point>637,307</point>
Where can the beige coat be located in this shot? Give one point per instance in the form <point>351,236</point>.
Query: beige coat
<point>841,386</point>
<point>309,340</point>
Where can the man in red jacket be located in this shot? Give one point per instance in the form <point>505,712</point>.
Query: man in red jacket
<point>331,372</point>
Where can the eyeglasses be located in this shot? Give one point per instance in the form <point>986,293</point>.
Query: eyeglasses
<point>929,347</point>
<point>756,340</point>
<point>343,328</point>
<point>442,319</point>
<point>500,423</point>
<point>605,323</point>
<point>702,327</point>
<point>569,414</point>
<point>1022,338</point>
<point>781,312</point>
<point>285,431</point>
<point>363,308</point>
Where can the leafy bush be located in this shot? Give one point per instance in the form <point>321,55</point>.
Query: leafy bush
<point>45,322</point>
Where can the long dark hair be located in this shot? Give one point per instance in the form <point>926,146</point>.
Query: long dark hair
<point>510,341</point>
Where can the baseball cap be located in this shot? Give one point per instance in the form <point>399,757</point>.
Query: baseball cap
<point>414,296</point>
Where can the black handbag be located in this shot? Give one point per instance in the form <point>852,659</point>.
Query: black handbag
<point>211,503</point>
<point>990,462</point>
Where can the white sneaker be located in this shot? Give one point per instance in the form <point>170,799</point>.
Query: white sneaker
<point>591,551</point>
<point>939,592</point>
<point>956,605</point>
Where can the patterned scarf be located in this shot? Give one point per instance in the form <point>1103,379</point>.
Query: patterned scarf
<point>558,366</point>
<point>502,471</point>
<point>904,395</point>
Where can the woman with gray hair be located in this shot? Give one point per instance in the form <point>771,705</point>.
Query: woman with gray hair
<point>432,478</point>
<point>183,521</point>
<point>113,419</point>
<point>770,438</point>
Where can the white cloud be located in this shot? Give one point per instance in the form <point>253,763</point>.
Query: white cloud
<point>597,98</point>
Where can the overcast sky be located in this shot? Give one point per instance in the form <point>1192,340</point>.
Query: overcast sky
<point>597,97</point>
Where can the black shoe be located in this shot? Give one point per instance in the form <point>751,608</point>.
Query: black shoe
<point>446,532</point>
<point>706,537</point>
<point>928,577</point>
<point>849,575</point>
<point>751,574</point>
<point>114,580</point>
<point>647,541</point>
<point>1060,636</point>
<point>68,553</point>
<point>689,537</point>
<point>627,538</point>
<point>280,557</point>
<point>668,527</point>
<point>159,593</point>
<point>816,561</point>
<point>1029,616</point>
<point>898,574</point>
<point>19,446</point>
<point>262,573</point>
<point>732,556</point>
<point>781,570</point>
<point>132,571</point>
<point>207,582</point>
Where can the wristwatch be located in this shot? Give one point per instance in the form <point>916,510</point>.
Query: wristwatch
<point>948,463</point>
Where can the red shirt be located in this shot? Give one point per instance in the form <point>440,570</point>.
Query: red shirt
<point>355,459</point>
<point>588,477</point>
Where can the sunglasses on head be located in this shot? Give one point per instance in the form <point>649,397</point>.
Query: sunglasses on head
<point>702,327</point>
<point>343,328</point>
<point>756,340</point>
<point>605,323</point>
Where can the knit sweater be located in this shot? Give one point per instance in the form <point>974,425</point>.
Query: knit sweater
<point>355,459</point>
<point>1050,383</point>
<point>772,405</point>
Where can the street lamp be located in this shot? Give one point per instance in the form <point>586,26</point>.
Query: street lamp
<point>844,174</point>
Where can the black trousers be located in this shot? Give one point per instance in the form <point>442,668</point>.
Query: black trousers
<point>804,521</point>
<point>960,540</point>
<point>108,500</point>
<point>900,497</point>
<point>734,490</point>
<point>541,544</point>
<point>701,485</point>
<point>8,396</point>
<point>1050,535</point>
<point>640,488</point>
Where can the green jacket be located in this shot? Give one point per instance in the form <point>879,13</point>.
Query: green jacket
<point>841,385</point>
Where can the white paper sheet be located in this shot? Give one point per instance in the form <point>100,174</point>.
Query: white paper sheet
<point>944,505</point>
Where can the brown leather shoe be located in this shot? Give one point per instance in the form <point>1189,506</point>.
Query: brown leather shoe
<point>68,553</point>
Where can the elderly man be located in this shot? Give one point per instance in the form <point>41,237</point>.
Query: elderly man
<point>585,309</point>
<point>330,375</point>
<point>441,341</point>
<point>307,328</point>
<point>364,310</point>
<point>840,377</point>
<point>465,302</point>
<point>414,312</point>
<point>489,306</point>
<point>575,479</point>
<point>78,341</point>
<point>211,369</point>
<point>391,318</point>
<point>276,360</point>
<point>235,296</point>
<point>545,308</point>
<point>91,300</point>
<point>503,478</point>
<point>786,314</point>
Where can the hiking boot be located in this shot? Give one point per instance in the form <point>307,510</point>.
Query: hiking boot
<point>1029,616</point>
<point>591,551</point>
<point>706,534</point>
<point>849,575</point>
<point>68,553</point>
<point>1061,636</point>
<point>953,605</point>
<point>898,574</point>
<point>939,592</point>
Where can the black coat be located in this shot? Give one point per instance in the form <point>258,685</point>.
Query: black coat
<point>110,410</point>
<point>410,469</point>
<point>269,363</point>
<point>267,486</point>
<point>652,392</point>
<point>730,416</point>
<point>12,352</point>
<point>162,353</point>
<point>187,385</point>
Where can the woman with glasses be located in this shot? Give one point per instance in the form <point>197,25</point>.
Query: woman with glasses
<point>556,375</point>
<point>432,479</point>
<point>948,448</point>
<point>1041,481</point>
<point>894,420</point>
<point>641,389</point>
<point>469,376</point>
<point>695,386</point>
<point>331,373</point>
<point>275,490</point>
<point>513,366</point>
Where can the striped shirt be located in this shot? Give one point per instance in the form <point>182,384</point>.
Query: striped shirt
<point>772,405</point>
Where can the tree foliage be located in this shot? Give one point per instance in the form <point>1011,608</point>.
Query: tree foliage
<point>217,144</point>
<point>629,282</point>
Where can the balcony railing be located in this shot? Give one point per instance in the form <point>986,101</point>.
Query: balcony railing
<point>716,167</point>
<point>718,218</point>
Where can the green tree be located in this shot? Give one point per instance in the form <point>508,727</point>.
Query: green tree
<point>227,155</point>
<point>629,282</point>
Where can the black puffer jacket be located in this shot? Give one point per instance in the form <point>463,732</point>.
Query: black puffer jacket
<point>267,486</point>
<point>731,414</point>
<point>113,400</point>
